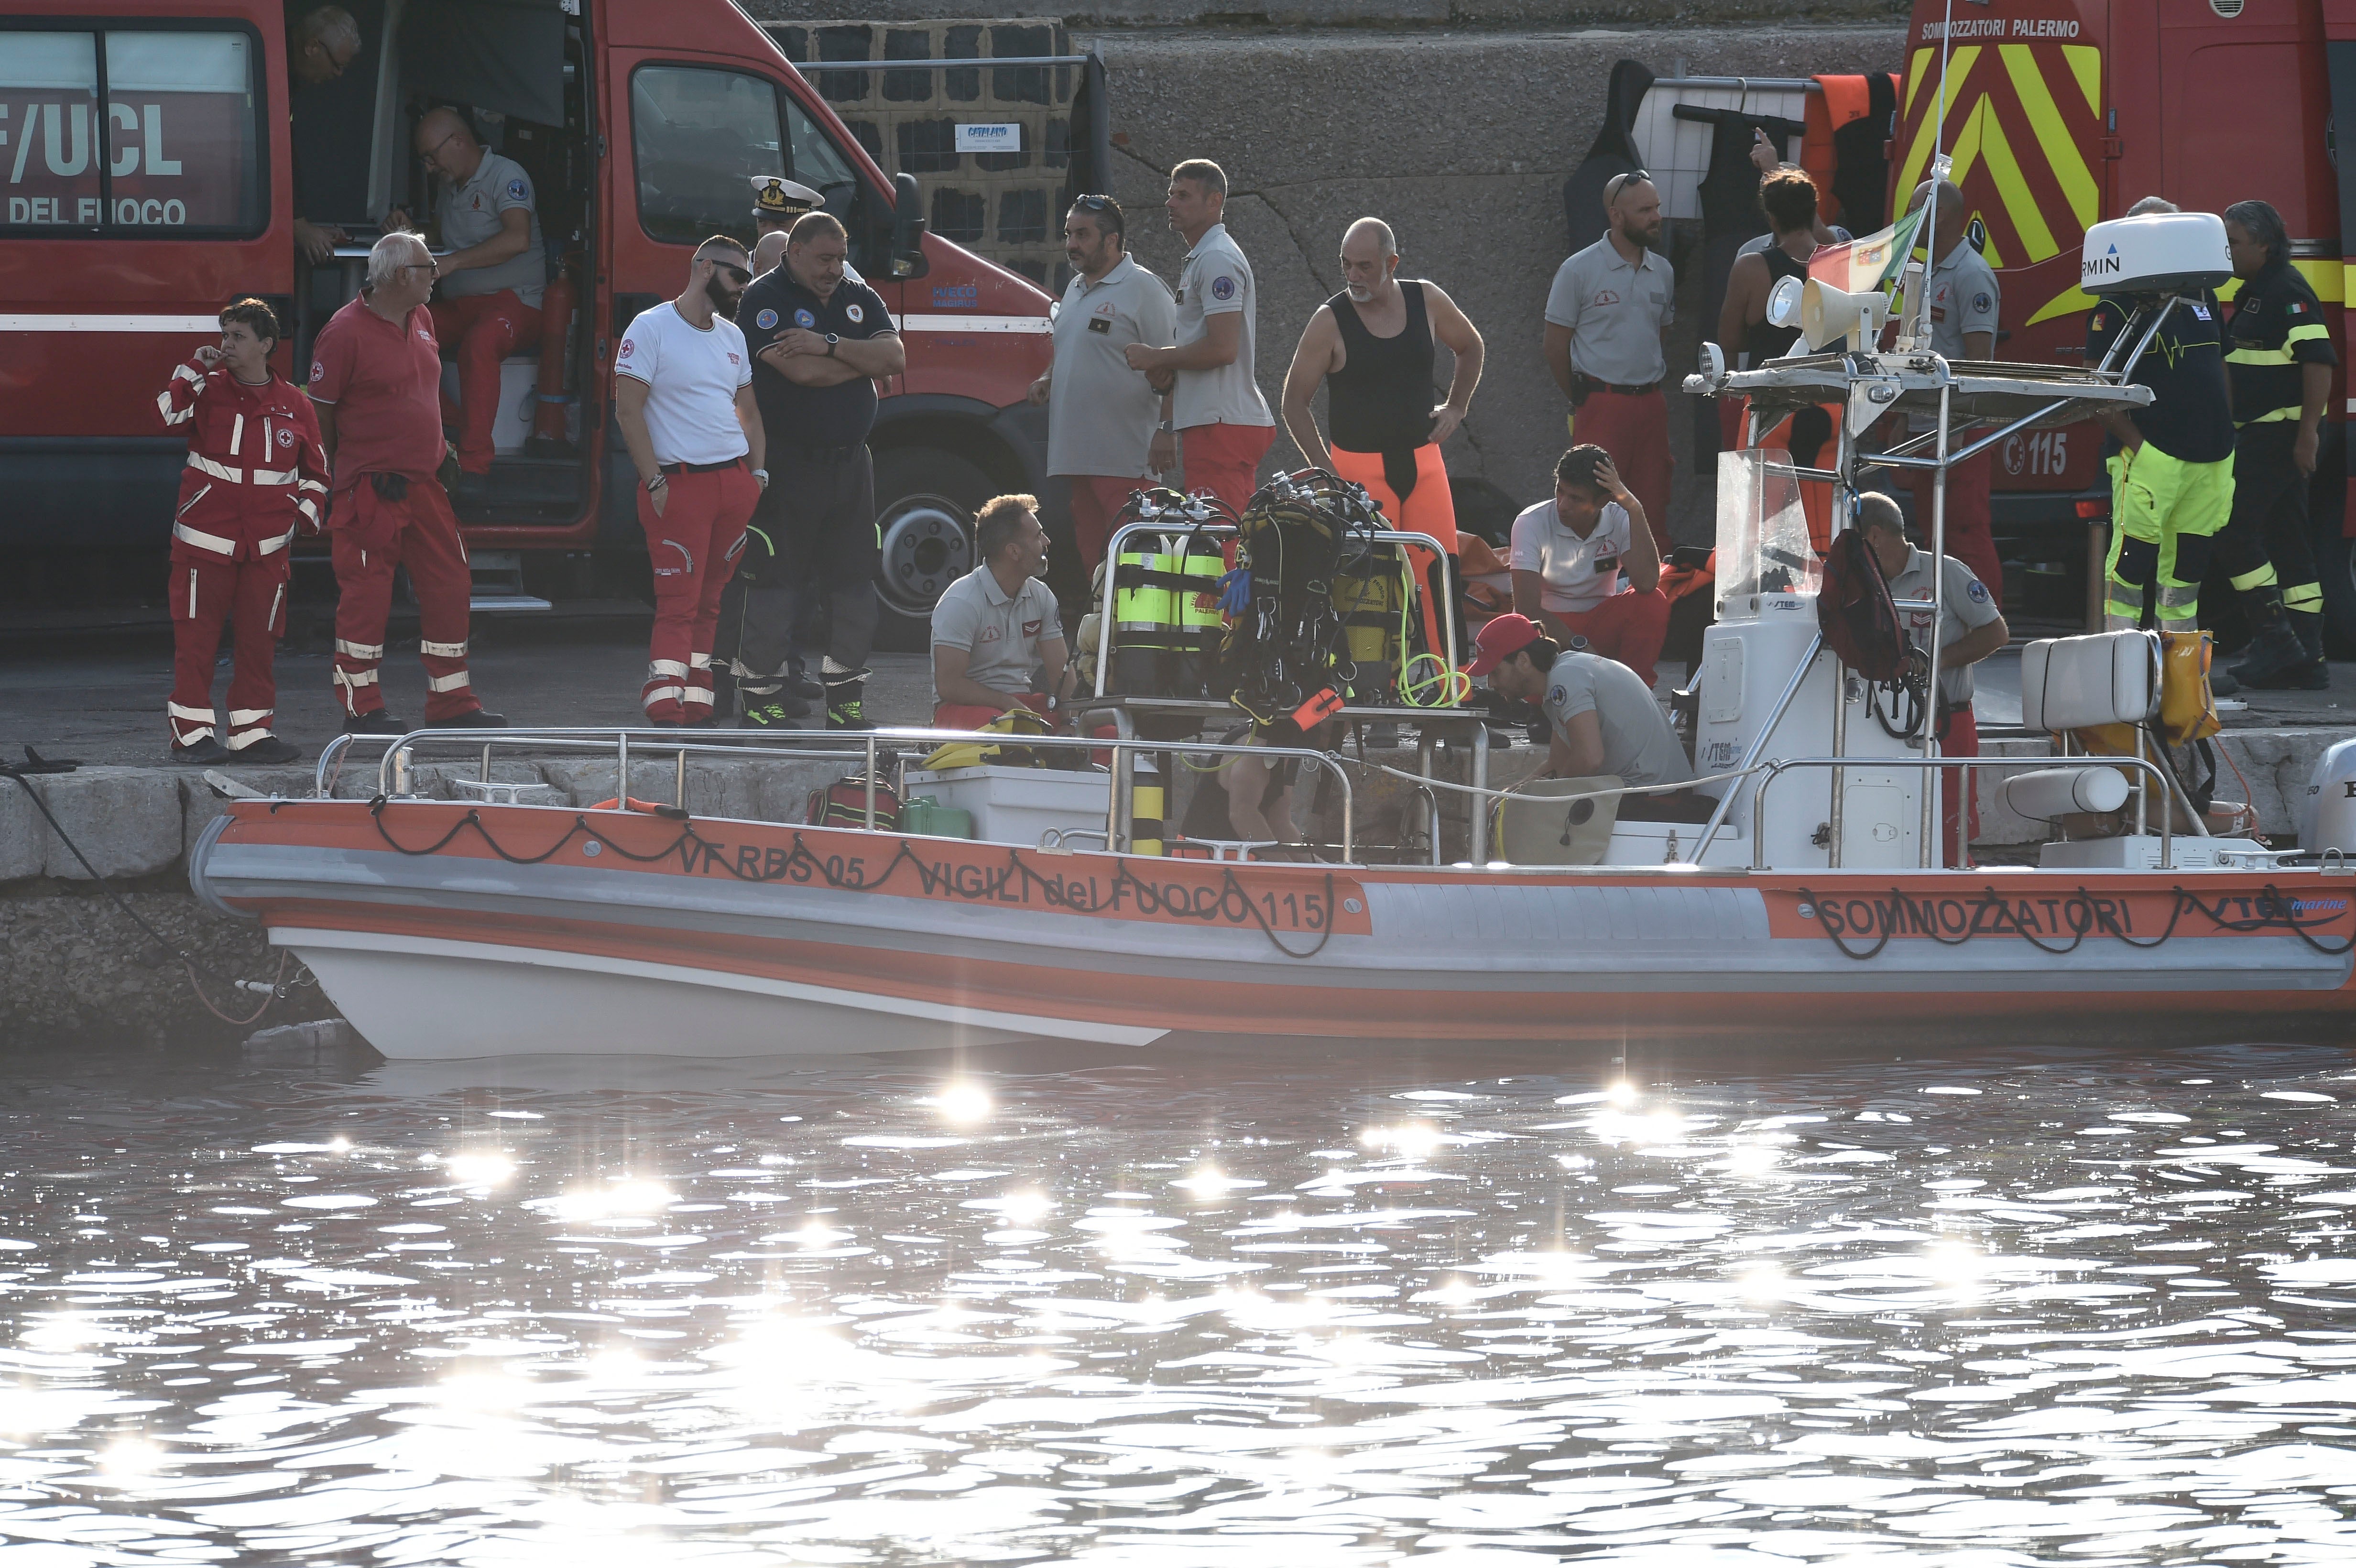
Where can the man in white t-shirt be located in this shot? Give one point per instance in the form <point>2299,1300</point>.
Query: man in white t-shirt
<point>1585,564</point>
<point>1216,408</point>
<point>683,399</point>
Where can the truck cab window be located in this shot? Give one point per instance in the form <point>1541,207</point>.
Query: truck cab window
<point>178,148</point>
<point>48,101</point>
<point>699,135</point>
<point>181,136</point>
<point>818,163</point>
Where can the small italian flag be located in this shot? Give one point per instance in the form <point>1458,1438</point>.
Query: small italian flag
<point>1872,262</point>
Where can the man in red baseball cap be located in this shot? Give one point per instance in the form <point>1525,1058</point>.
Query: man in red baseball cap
<point>1600,717</point>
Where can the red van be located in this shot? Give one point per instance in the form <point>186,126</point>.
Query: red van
<point>156,153</point>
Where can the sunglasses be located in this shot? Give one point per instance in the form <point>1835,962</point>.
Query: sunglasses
<point>737,274</point>
<point>1093,203</point>
<point>1622,182</point>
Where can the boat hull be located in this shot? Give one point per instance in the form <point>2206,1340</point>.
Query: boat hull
<point>445,930</point>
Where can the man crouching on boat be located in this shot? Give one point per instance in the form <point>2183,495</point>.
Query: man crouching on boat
<point>998,640</point>
<point>1600,716</point>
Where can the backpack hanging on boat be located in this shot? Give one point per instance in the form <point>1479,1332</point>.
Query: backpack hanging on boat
<point>1856,613</point>
<point>843,804</point>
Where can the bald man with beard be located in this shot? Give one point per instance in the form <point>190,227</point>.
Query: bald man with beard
<point>1372,346</point>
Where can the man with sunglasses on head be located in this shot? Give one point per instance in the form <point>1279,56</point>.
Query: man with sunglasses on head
<point>376,382</point>
<point>1100,413</point>
<point>1607,335</point>
<point>683,399</point>
<point>493,277</point>
<point>819,343</point>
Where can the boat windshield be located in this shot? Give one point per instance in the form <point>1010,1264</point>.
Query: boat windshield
<point>1762,531</point>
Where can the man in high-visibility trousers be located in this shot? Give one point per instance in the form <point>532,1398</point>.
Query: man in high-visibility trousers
<point>2172,476</point>
<point>2279,357</point>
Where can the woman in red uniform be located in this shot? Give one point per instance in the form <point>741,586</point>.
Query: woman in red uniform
<point>256,473</point>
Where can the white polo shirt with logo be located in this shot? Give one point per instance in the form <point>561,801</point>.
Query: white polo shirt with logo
<point>1100,413</point>
<point>1575,574</point>
<point>691,375</point>
<point>1615,311</point>
<point>1001,632</point>
<point>1217,280</point>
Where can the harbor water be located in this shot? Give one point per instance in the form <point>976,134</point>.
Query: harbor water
<point>1702,1305</point>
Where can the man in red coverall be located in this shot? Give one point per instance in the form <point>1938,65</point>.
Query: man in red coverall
<point>376,376</point>
<point>255,474</point>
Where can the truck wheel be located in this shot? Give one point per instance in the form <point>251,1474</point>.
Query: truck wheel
<point>2335,563</point>
<point>924,503</point>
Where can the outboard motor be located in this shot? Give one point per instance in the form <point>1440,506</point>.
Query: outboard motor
<point>2327,819</point>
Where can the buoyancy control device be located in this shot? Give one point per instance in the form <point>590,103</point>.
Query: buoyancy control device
<point>1287,651</point>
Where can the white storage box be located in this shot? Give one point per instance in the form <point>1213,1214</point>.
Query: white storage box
<point>1016,806</point>
<point>519,399</point>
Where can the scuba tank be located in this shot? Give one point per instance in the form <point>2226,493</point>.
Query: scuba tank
<point>1370,595</point>
<point>1166,621</point>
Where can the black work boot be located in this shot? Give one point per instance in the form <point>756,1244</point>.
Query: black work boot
<point>2308,624</point>
<point>845,702</point>
<point>2277,659</point>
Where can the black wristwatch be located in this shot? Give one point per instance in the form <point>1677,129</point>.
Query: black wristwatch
<point>831,341</point>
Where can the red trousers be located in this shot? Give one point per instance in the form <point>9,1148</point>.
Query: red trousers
<point>368,538</point>
<point>973,715</point>
<point>250,596</point>
<point>1967,520</point>
<point>1957,806</point>
<point>1635,432</point>
<point>1097,500</point>
<point>478,331</point>
<point>1223,459</point>
<point>1629,627</point>
<point>693,546</point>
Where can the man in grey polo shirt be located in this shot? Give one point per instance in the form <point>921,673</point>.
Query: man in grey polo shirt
<point>998,641</point>
<point>1961,303</point>
<point>1607,335</point>
<point>492,280</point>
<point>1100,413</point>
<point>1223,422</point>
<point>1601,717</point>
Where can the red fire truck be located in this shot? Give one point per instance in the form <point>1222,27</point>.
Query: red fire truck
<point>2062,112</point>
<point>155,155</point>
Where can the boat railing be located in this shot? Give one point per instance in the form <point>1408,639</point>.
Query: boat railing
<point>396,769</point>
<point>1776,769</point>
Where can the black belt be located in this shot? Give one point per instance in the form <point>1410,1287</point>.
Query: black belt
<point>811,454</point>
<point>703,467</point>
<point>1587,383</point>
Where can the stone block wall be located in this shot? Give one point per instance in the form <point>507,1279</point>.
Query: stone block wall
<point>1007,207</point>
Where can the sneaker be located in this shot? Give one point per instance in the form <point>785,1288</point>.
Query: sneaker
<point>848,713</point>
<point>380,722</point>
<point>205,753</point>
<point>775,715</point>
<point>268,750</point>
<point>480,719</point>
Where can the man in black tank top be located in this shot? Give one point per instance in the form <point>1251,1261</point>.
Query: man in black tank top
<point>1371,345</point>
